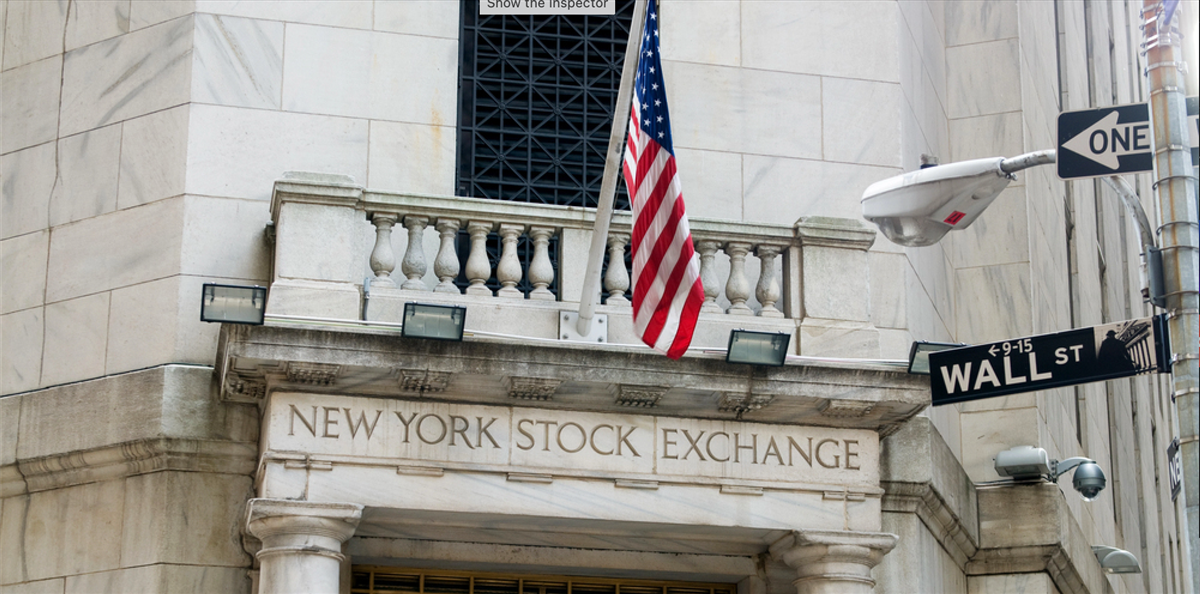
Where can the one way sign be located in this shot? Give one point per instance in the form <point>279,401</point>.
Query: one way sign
<point>1105,141</point>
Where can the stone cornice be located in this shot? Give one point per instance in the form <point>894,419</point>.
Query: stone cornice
<point>130,458</point>
<point>482,371</point>
<point>924,500</point>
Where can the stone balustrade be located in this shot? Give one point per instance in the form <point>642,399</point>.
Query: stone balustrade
<point>755,275</point>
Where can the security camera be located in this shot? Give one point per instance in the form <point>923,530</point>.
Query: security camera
<point>1028,462</point>
<point>918,208</point>
<point>1089,479</point>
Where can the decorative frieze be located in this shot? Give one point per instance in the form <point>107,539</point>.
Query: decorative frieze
<point>639,396</point>
<point>840,409</point>
<point>423,381</point>
<point>315,374</point>
<point>531,388</point>
<point>743,403</point>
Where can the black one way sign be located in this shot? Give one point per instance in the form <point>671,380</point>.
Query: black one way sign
<point>1105,141</point>
<point>1048,361</point>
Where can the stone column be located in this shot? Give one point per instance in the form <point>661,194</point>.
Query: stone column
<point>301,544</point>
<point>833,562</point>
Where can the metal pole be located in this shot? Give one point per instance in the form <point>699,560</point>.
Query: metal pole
<point>1180,240</point>
<point>608,185</point>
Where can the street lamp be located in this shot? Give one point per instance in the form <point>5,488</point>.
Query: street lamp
<point>917,209</point>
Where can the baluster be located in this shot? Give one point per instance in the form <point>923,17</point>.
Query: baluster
<point>413,265</point>
<point>445,265</point>
<point>616,278</point>
<point>708,276</point>
<point>479,270</point>
<point>508,271</point>
<point>541,270</point>
<point>767,290</point>
<point>383,259</point>
<point>737,288</point>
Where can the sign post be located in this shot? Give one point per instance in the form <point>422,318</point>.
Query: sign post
<point>1067,358</point>
<point>1105,141</point>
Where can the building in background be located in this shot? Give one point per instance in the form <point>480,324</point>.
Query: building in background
<point>150,147</point>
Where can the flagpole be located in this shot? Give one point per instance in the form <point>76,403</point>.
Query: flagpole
<point>612,166</point>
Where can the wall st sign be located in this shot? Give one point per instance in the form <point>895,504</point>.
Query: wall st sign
<point>1034,363</point>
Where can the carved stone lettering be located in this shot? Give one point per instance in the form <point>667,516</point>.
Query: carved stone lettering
<point>524,440</point>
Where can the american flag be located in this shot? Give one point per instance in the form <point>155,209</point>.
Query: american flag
<point>667,292</point>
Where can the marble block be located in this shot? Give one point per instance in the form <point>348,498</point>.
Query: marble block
<point>76,334</point>
<point>975,22</point>
<point>435,18</point>
<point>726,109</point>
<point>184,517</point>
<point>416,158</point>
<point>983,78</point>
<point>96,20</point>
<point>859,121</point>
<point>31,116</point>
<point>810,38</point>
<point>153,157</point>
<point>126,76</point>
<point>28,181</point>
<point>88,165</point>
<point>21,357</point>
<point>67,531</point>
<point>23,259</point>
<point>144,13</point>
<point>709,36</point>
<point>237,62</point>
<point>238,152</point>
<point>781,189</point>
<point>184,579</point>
<point>95,254</point>
<point>351,14</point>
<point>34,30</point>
<point>225,238</point>
<point>364,74</point>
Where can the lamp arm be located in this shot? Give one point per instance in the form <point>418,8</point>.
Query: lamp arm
<point>1130,198</point>
<point>1058,468</point>
<point>1028,160</point>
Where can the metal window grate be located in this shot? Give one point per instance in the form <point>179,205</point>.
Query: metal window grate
<point>536,99</point>
<point>392,580</point>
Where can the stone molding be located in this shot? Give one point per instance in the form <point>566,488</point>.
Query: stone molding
<point>131,458</point>
<point>924,500</point>
<point>1028,528</point>
<point>834,232</point>
<point>833,561</point>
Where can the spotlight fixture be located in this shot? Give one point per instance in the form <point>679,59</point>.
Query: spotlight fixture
<point>233,304</point>
<point>1030,463</point>
<point>758,348</point>
<point>918,354</point>
<point>1114,560</point>
<point>439,322</point>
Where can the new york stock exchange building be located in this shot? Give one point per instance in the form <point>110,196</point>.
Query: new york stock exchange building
<point>385,170</point>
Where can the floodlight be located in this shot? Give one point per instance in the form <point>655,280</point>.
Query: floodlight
<point>439,322</point>
<point>758,348</point>
<point>233,304</point>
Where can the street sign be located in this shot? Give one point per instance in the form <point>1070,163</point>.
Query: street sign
<point>1174,468</point>
<point>1193,126</point>
<point>1105,141</point>
<point>1077,356</point>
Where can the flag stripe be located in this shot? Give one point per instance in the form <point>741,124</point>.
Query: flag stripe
<point>667,292</point>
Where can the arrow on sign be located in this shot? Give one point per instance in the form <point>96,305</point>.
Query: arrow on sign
<point>1106,140</point>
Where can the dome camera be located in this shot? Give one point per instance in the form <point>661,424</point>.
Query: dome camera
<point>1089,480</point>
<point>1028,463</point>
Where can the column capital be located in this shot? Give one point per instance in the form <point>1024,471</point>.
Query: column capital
<point>831,560</point>
<point>302,543</point>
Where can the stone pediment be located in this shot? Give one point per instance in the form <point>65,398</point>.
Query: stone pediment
<point>254,360</point>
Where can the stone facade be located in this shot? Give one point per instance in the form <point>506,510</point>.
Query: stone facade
<point>151,146</point>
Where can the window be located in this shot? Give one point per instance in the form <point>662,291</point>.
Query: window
<point>536,99</point>
<point>392,580</point>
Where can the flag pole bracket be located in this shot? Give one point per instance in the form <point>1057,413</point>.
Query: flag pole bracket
<point>568,329</point>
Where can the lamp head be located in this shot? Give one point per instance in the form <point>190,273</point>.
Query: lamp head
<point>918,208</point>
